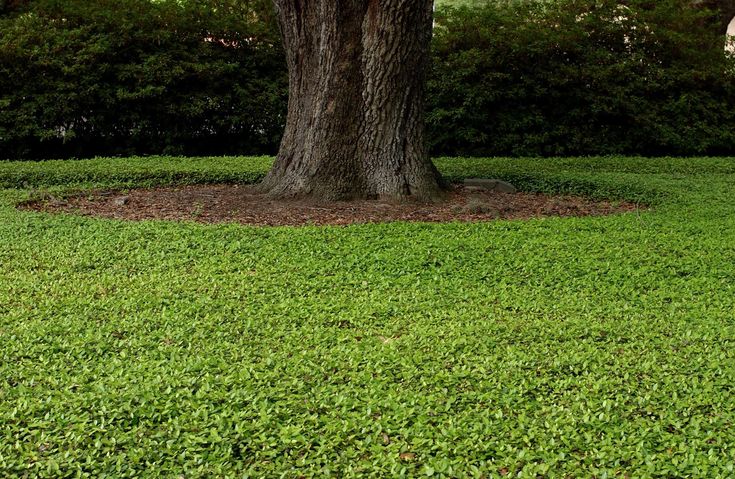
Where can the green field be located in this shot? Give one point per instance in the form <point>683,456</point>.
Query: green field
<point>579,347</point>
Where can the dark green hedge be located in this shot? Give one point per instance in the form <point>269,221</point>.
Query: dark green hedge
<point>564,77</point>
<point>120,77</point>
<point>80,78</point>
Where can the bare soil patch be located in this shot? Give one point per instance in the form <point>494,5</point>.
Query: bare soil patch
<point>243,204</point>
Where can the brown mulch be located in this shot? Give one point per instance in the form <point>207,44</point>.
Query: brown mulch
<point>242,204</point>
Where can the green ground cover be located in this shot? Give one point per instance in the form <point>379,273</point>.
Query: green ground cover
<point>577,347</point>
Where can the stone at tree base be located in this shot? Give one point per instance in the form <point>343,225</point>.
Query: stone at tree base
<point>486,184</point>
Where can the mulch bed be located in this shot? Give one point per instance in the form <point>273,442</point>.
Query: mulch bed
<point>243,204</point>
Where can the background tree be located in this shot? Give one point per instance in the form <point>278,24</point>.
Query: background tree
<point>723,13</point>
<point>355,125</point>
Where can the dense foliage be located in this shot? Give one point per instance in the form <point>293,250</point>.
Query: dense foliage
<point>81,78</point>
<point>577,347</point>
<point>576,77</point>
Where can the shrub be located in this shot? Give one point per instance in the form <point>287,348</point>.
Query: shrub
<point>568,77</point>
<point>81,78</point>
<point>198,77</point>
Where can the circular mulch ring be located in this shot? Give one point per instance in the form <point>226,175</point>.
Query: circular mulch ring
<point>243,204</point>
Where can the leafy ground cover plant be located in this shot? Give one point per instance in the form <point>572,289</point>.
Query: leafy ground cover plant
<point>577,347</point>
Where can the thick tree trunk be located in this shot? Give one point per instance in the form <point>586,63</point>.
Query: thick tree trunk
<point>355,115</point>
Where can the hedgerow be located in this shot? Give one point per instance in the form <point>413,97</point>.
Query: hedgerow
<point>204,77</point>
<point>81,78</point>
<point>577,347</point>
<point>579,78</point>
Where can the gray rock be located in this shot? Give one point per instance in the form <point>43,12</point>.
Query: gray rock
<point>121,201</point>
<point>499,186</point>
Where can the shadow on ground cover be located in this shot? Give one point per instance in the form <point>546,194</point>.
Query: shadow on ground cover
<point>551,347</point>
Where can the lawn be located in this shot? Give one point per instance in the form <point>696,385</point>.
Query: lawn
<point>578,347</point>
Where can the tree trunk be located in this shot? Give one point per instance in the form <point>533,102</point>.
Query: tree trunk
<point>355,115</point>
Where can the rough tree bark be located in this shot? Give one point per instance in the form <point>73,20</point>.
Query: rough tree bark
<point>356,102</point>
